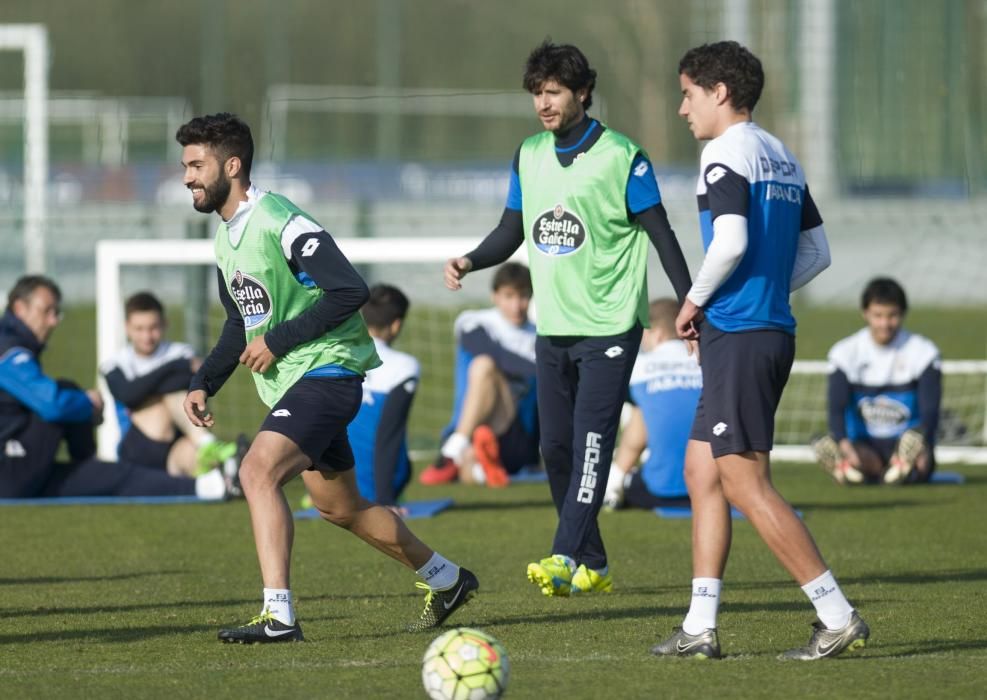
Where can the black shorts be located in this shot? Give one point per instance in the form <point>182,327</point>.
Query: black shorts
<point>314,414</point>
<point>743,377</point>
<point>637,495</point>
<point>518,447</point>
<point>138,448</point>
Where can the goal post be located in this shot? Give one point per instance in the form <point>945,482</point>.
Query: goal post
<point>414,264</point>
<point>32,41</point>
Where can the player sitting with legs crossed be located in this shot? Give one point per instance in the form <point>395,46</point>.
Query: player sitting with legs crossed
<point>885,390</point>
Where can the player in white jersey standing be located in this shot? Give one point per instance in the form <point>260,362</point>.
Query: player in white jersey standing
<point>763,238</point>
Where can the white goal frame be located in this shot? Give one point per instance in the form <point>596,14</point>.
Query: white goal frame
<point>111,255</point>
<point>32,41</point>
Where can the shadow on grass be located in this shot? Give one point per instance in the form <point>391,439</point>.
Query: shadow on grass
<point>861,505</point>
<point>39,580</point>
<point>925,648</point>
<point>106,636</point>
<point>502,505</point>
<point>137,607</point>
<point>917,577</point>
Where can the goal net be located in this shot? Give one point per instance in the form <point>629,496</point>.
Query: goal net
<point>414,265</point>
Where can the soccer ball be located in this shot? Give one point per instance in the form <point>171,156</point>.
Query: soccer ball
<point>465,664</point>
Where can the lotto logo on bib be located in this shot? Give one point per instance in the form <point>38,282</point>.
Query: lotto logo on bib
<point>252,297</point>
<point>558,232</point>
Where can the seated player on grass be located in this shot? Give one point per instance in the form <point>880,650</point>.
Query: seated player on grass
<point>494,427</point>
<point>885,391</point>
<point>148,379</point>
<point>38,412</point>
<point>664,389</point>
<point>378,434</point>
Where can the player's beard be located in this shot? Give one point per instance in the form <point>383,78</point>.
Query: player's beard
<point>214,196</point>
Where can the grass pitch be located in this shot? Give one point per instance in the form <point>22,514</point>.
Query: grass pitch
<point>125,601</point>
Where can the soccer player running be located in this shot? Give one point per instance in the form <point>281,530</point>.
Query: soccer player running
<point>292,302</point>
<point>763,237</point>
<point>585,200</point>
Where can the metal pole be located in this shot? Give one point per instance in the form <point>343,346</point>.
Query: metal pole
<point>388,75</point>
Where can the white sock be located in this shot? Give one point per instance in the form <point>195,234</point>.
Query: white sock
<point>278,602</point>
<point>832,607</point>
<point>205,439</point>
<point>615,480</point>
<point>211,486</point>
<point>454,445</point>
<point>479,476</point>
<point>439,573</point>
<point>704,606</point>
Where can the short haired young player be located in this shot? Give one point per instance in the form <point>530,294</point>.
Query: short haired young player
<point>763,238</point>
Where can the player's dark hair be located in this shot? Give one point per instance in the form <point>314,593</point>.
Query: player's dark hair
<point>142,301</point>
<point>729,63</point>
<point>26,286</point>
<point>513,275</point>
<point>662,313</point>
<point>225,133</point>
<point>884,290</point>
<point>386,305</point>
<point>563,63</point>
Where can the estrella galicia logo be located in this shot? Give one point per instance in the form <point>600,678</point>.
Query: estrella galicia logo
<point>885,416</point>
<point>558,232</point>
<point>252,297</point>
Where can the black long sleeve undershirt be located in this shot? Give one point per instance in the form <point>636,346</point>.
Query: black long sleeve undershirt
<point>654,220</point>
<point>318,256</point>
<point>500,243</point>
<point>169,377</point>
<point>225,355</point>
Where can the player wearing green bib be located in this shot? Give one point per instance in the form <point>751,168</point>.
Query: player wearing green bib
<point>585,201</point>
<point>292,302</point>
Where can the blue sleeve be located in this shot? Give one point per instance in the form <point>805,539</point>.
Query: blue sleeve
<point>514,192</point>
<point>22,378</point>
<point>642,186</point>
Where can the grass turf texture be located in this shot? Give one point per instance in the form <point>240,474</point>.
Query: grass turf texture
<point>124,602</point>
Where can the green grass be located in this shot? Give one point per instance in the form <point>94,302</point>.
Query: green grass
<point>124,601</point>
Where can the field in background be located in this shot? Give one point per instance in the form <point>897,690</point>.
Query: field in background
<point>124,601</point>
<point>960,333</point>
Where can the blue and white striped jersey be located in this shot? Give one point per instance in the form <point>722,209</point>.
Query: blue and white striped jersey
<point>749,172</point>
<point>665,385</point>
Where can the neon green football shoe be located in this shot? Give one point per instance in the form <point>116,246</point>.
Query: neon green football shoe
<point>213,454</point>
<point>552,574</point>
<point>590,581</point>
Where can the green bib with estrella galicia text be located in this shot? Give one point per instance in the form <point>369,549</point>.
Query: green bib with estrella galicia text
<point>267,292</point>
<point>588,260</point>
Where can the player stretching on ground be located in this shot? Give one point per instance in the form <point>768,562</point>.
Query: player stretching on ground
<point>586,201</point>
<point>763,238</point>
<point>292,302</point>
